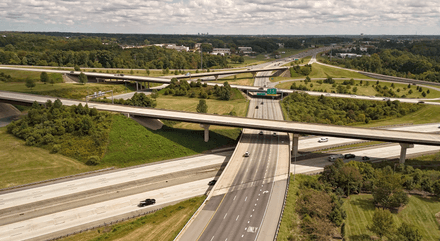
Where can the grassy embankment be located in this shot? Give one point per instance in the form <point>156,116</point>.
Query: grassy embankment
<point>164,225</point>
<point>21,164</point>
<point>241,79</point>
<point>419,211</point>
<point>289,224</point>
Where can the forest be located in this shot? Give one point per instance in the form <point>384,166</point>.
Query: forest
<point>320,109</point>
<point>104,50</point>
<point>417,60</point>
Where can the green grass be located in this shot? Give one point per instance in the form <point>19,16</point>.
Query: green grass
<point>21,164</point>
<point>164,224</point>
<point>21,76</point>
<point>132,144</point>
<point>363,89</point>
<point>322,71</point>
<point>289,224</point>
<point>428,114</point>
<point>220,107</point>
<point>63,90</point>
<point>419,211</point>
<point>241,79</point>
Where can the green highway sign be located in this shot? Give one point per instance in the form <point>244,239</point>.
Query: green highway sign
<point>261,93</point>
<point>272,91</point>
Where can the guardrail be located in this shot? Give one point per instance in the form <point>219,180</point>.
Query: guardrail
<point>103,225</point>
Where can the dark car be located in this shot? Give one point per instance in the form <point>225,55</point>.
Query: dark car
<point>365,158</point>
<point>146,202</point>
<point>212,182</point>
<point>421,102</point>
<point>262,102</point>
<point>256,107</point>
<point>348,156</point>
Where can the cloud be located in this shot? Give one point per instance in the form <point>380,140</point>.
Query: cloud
<point>224,16</point>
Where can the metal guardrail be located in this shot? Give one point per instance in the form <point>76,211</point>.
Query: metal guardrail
<point>103,225</point>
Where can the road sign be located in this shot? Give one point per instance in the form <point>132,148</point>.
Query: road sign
<point>261,93</point>
<point>272,91</point>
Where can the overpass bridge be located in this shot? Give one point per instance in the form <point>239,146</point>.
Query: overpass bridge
<point>406,139</point>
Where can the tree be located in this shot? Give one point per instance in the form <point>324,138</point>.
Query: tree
<point>82,78</point>
<point>44,77</point>
<point>52,81</point>
<point>408,232</point>
<point>202,107</point>
<point>388,191</point>
<point>154,94</point>
<point>148,71</point>
<point>76,68</point>
<point>30,83</point>
<point>383,223</point>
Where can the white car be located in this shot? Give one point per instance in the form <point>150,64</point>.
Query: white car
<point>323,139</point>
<point>246,154</point>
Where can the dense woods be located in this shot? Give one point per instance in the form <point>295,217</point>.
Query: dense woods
<point>313,109</point>
<point>417,60</point>
<point>77,131</point>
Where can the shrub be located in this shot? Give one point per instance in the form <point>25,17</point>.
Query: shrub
<point>92,161</point>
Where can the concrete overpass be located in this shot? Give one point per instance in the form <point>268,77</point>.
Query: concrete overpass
<point>231,72</point>
<point>406,139</point>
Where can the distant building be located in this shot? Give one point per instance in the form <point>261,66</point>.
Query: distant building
<point>280,45</point>
<point>4,36</point>
<point>221,51</point>
<point>245,50</point>
<point>348,55</point>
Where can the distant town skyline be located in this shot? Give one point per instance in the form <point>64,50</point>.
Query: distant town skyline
<point>247,17</point>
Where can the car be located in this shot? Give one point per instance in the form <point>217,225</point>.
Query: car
<point>261,132</point>
<point>333,158</point>
<point>365,158</point>
<point>147,202</point>
<point>212,182</point>
<point>262,102</point>
<point>256,107</point>
<point>261,88</point>
<point>274,134</point>
<point>421,102</point>
<point>348,156</point>
<point>323,139</point>
<point>72,72</point>
<point>246,154</point>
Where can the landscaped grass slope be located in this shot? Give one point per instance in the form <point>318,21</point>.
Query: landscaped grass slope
<point>162,225</point>
<point>362,89</point>
<point>62,90</point>
<point>420,212</point>
<point>21,164</point>
<point>132,144</point>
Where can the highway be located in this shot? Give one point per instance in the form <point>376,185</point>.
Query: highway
<point>84,201</point>
<point>249,186</point>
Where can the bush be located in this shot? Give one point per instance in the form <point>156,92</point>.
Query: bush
<point>92,161</point>
<point>55,149</point>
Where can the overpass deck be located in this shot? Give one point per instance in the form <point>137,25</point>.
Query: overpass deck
<point>242,122</point>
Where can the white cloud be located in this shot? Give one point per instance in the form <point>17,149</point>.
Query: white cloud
<point>225,16</point>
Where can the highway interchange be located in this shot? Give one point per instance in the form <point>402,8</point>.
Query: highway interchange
<point>34,213</point>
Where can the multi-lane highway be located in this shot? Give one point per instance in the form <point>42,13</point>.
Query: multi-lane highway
<point>250,186</point>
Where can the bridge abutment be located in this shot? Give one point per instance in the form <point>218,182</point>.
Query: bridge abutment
<point>403,147</point>
<point>206,132</point>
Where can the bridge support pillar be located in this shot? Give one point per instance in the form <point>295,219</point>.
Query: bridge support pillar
<point>137,86</point>
<point>253,74</point>
<point>148,85</point>
<point>216,77</point>
<point>403,147</point>
<point>206,132</point>
<point>295,140</point>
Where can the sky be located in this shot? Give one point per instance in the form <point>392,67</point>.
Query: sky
<point>247,17</point>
